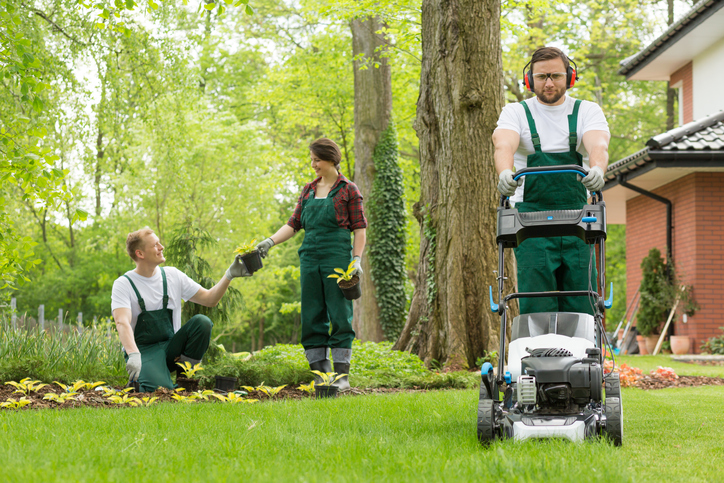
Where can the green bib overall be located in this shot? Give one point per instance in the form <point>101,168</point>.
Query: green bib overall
<point>556,263</point>
<point>326,246</point>
<point>159,346</point>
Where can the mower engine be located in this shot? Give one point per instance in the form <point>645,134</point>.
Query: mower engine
<point>553,380</point>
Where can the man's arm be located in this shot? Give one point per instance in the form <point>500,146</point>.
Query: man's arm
<point>596,143</point>
<point>123,316</point>
<point>211,297</point>
<point>506,143</point>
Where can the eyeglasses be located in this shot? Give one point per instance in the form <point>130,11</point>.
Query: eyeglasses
<point>554,76</point>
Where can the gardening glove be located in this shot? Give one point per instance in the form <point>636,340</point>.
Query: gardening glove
<point>237,269</point>
<point>594,181</point>
<point>357,267</point>
<point>133,366</point>
<point>506,184</point>
<point>264,247</point>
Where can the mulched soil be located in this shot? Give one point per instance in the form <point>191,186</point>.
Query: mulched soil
<point>653,382</point>
<point>95,398</point>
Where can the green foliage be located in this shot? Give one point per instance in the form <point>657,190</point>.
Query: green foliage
<point>714,345</point>
<point>386,208</point>
<point>342,274</point>
<point>431,236</point>
<point>660,289</point>
<point>61,356</point>
<point>373,365</point>
<point>182,253</point>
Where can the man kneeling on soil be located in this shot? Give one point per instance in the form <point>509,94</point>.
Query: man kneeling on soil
<point>146,304</point>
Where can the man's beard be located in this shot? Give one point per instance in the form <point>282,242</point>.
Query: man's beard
<point>551,98</point>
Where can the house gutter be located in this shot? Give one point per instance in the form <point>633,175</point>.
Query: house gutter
<point>669,249</point>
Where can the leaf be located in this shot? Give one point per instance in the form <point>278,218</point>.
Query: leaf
<point>249,10</point>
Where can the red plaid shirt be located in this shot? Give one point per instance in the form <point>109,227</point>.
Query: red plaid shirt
<point>347,205</point>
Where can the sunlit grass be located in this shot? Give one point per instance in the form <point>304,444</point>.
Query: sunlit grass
<point>670,435</point>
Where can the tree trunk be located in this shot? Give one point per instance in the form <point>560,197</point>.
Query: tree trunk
<point>461,96</point>
<point>372,111</point>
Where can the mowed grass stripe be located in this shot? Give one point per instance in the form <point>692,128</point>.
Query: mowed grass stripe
<point>401,437</point>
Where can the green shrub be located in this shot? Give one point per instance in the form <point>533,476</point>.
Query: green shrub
<point>373,365</point>
<point>714,345</point>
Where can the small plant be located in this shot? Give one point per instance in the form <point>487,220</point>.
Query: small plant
<point>270,391</point>
<point>666,373</point>
<point>74,386</point>
<point>147,401</point>
<point>233,398</point>
<point>188,370</point>
<point>201,394</point>
<point>13,404</point>
<point>491,357</point>
<point>109,391</point>
<point>182,398</point>
<point>62,397</point>
<point>714,345</point>
<point>308,388</point>
<point>343,274</point>
<point>245,248</point>
<point>125,399</point>
<point>25,386</point>
<point>328,378</point>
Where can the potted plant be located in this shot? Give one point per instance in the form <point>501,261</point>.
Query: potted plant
<point>349,284</point>
<point>660,289</point>
<point>326,388</point>
<point>188,371</point>
<point>250,255</point>
<point>226,384</point>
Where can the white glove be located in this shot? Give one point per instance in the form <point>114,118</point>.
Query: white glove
<point>594,181</point>
<point>133,366</point>
<point>237,269</point>
<point>264,247</point>
<point>507,185</point>
<point>357,266</point>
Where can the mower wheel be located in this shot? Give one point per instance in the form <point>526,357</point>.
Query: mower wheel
<point>614,420</point>
<point>613,385</point>
<point>486,422</point>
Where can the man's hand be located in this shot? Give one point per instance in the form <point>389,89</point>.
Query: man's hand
<point>357,266</point>
<point>506,184</point>
<point>133,366</point>
<point>594,181</point>
<point>264,247</point>
<point>237,269</point>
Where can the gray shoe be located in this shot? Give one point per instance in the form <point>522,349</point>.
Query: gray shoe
<point>343,382</point>
<point>319,361</point>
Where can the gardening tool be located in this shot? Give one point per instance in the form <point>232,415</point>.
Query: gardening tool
<point>635,301</point>
<point>668,321</point>
<point>554,379</point>
<point>628,328</point>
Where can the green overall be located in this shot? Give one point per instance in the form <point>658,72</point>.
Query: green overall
<point>326,246</point>
<point>159,346</point>
<point>556,263</point>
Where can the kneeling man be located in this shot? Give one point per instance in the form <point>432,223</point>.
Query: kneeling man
<point>146,304</point>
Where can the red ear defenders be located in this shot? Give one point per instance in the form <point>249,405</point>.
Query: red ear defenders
<point>571,75</point>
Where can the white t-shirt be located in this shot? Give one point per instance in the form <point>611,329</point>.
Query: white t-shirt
<point>179,286</point>
<point>551,122</point>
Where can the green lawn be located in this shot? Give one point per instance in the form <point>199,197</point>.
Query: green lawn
<point>670,435</point>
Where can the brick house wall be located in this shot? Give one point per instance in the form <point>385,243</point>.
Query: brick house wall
<point>697,238</point>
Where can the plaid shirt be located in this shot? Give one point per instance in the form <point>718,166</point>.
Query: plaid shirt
<point>347,205</point>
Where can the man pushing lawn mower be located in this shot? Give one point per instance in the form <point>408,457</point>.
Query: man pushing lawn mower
<point>554,383</point>
<point>146,304</point>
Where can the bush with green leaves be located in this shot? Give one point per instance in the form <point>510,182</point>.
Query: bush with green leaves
<point>373,365</point>
<point>714,345</point>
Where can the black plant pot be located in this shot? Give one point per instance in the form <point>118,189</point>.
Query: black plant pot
<point>189,384</point>
<point>227,384</point>
<point>252,260</point>
<point>325,391</point>
<point>352,289</point>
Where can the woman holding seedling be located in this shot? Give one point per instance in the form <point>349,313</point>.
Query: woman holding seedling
<point>329,208</point>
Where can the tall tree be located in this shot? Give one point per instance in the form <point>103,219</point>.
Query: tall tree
<point>461,95</point>
<point>372,112</point>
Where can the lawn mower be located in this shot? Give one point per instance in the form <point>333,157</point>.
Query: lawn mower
<point>555,385</point>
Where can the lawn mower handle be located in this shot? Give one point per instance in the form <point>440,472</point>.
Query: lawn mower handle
<point>559,169</point>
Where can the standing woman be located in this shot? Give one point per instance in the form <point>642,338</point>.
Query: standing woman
<point>329,208</point>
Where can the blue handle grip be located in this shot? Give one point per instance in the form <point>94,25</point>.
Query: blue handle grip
<point>609,302</point>
<point>589,219</point>
<point>493,305</point>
